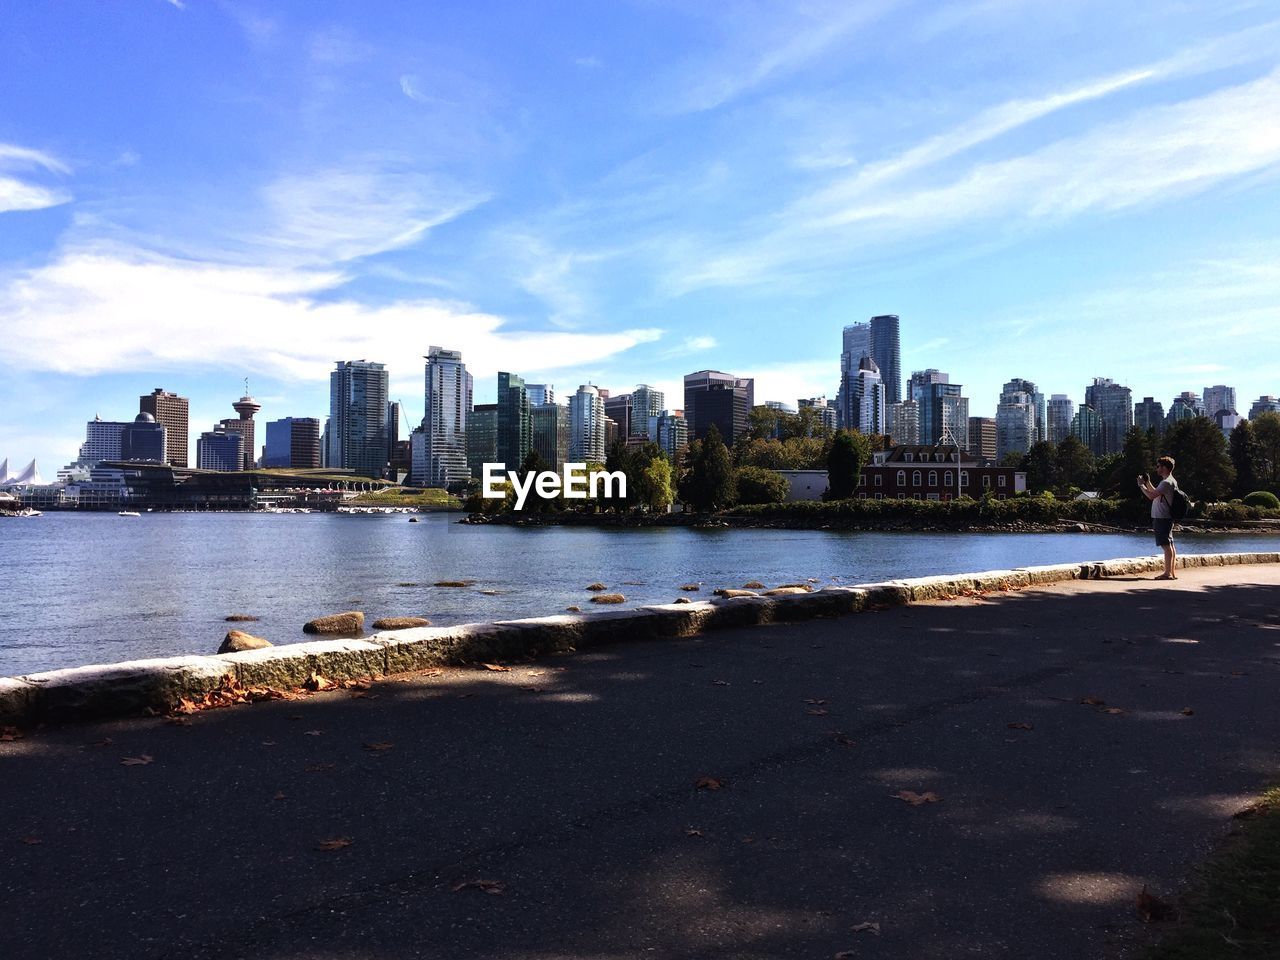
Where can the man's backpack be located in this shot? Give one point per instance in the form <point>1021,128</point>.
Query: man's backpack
<point>1179,503</point>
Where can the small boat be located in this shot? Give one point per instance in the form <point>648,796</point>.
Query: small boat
<point>23,514</point>
<point>129,513</point>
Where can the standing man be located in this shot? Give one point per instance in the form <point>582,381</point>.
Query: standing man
<point>1161,497</point>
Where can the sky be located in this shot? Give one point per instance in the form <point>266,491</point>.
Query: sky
<point>196,192</point>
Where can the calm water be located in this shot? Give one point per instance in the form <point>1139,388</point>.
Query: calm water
<point>97,588</point>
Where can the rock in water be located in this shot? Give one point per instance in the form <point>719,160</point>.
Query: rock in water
<point>690,586</point>
<point>400,623</point>
<point>753,585</point>
<point>608,598</point>
<point>730,594</point>
<point>350,622</point>
<point>787,591</point>
<point>241,618</point>
<point>682,600</point>
<point>237,641</point>
<point>597,587</point>
<point>574,609</point>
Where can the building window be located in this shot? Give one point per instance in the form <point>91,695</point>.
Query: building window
<point>879,496</point>
<point>902,496</point>
<point>909,457</point>
<point>934,497</point>
<point>986,479</point>
<point>933,478</point>
<point>1002,479</point>
<point>878,480</point>
<point>937,458</point>
<point>902,478</point>
<point>948,479</point>
<point>915,478</point>
<point>862,496</point>
<point>964,478</point>
<point>862,480</point>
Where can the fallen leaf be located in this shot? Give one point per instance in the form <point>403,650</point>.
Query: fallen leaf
<point>484,886</point>
<point>812,701</point>
<point>692,832</point>
<point>817,711</point>
<point>1093,701</point>
<point>316,683</point>
<point>868,927</point>
<point>1020,725</point>
<point>1113,710</point>
<point>1152,909</point>
<point>313,733</point>
<point>720,683</point>
<point>32,841</point>
<point>1188,712</point>
<point>427,673</point>
<point>10,734</point>
<point>846,955</point>
<point>137,761</point>
<point>268,743</point>
<point>356,684</point>
<point>916,799</point>
<point>748,839</point>
<point>708,783</point>
<point>496,667</point>
<point>380,745</point>
<point>104,742</point>
<point>279,795</point>
<point>337,843</point>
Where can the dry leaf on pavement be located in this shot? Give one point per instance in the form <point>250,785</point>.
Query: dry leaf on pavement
<point>692,832</point>
<point>337,843</point>
<point>137,761</point>
<point>1114,711</point>
<point>496,667</point>
<point>380,745</point>
<point>817,711</point>
<point>1188,712</point>
<point>1152,909</point>
<point>316,683</point>
<point>9,734</point>
<point>916,799</point>
<point>866,927</point>
<point>313,733</point>
<point>484,886</point>
<point>1093,701</point>
<point>32,841</point>
<point>708,783</point>
<point>279,795</point>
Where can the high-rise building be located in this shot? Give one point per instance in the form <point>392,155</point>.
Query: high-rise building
<point>1149,415</point>
<point>713,397</point>
<point>586,426</point>
<point>1061,411</point>
<point>944,410</point>
<point>515,437</point>
<point>550,425</point>
<point>482,437</point>
<point>173,413</point>
<point>220,449</point>
<point>646,402</point>
<point>617,407</point>
<point>1219,398</point>
<point>903,423</point>
<point>394,413</point>
<point>1040,430</point>
<point>982,438</point>
<point>293,442</point>
<point>1227,420</point>
<point>143,440</point>
<point>864,399</point>
<point>886,351</point>
<point>103,440</point>
<point>246,407</point>
<point>670,431</point>
<point>1264,404</point>
<point>826,412</point>
<point>1015,421</point>
<point>358,426</point>
<point>439,451</point>
<point>1086,426</point>
<point>1113,404</point>
<point>540,393</point>
<point>1185,405</point>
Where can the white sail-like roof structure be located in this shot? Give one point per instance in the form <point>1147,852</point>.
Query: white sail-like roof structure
<point>28,477</point>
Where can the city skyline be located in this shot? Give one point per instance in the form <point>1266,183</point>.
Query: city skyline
<point>623,197</point>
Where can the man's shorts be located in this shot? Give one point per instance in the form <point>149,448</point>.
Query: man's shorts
<point>1164,531</point>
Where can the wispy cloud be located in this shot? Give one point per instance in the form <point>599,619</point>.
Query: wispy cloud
<point>411,87</point>
<point>21,194</point>
<point>691,345</point>
<point>177,4</point>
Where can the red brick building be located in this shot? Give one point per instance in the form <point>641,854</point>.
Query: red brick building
<point>934,473</point>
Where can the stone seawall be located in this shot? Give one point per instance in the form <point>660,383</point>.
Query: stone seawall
<point>131,688</point>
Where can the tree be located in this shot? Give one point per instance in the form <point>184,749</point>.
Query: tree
<point>1041,465</point>
<point>1075,464</point>
<point>763,422</point>
<point>1266,430</point>
<point>654,484</point>
<point>1199,451</point>
<point>533,465</point>
<point>756,485</point>
<point>1136,458</point>
<point>849,451</point>
<point>709,482</point>
<point>1246,457</point>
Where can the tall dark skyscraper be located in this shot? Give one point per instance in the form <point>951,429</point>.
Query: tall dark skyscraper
<point>886,351</point>
<point>358,417</point>
<point>515,431</point>
<point>720,398</point>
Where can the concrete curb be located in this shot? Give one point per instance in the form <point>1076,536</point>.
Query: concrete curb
<point>128,689</point>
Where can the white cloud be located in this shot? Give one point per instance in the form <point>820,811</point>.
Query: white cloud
<point>98,310</point>
<point>16,194</point>
<point>411,87</point>
<point>691,345</point>
<point>177,4</point>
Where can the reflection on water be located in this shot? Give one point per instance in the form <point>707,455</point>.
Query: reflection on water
<point>97,588</point>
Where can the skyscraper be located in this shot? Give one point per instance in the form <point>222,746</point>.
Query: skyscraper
<point>482,437</point>
<point>646,402</point>
<point>171,412</point>
<point>540,393</point>
<point>586,426</point>
<point>550,425</point>
<point>1114,405</point>
<point>864,399</point>
<point>1086,426</point>
<point>1058,420</point>
<point>220,449</point>
<point>358,426</point>
<point>886,351</point>
<point>711,396</point>
<point>1149,415</point>
<point>1040,427</point>
<point>1264,404</point>
<point>617,407</point>
<point>1016,427</point>
<point>143,440</point>
<point>246,407</point>
<point>943,408</point>
<point>826,412</point>
<point>292,442</point>
<point>670,431</point>
<point>982,438</point>
<point>904,422</point>
<point>440,445</point>
<point>515,437</point>
<point>1185,405</point>
<point>1217,399</point>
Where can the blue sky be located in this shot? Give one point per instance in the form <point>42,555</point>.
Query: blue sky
<point>196,192</point>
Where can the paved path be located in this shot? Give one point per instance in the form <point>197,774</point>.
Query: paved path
<point>571,783</point>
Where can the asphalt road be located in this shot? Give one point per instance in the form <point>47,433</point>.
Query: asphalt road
<point>568,789</point>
